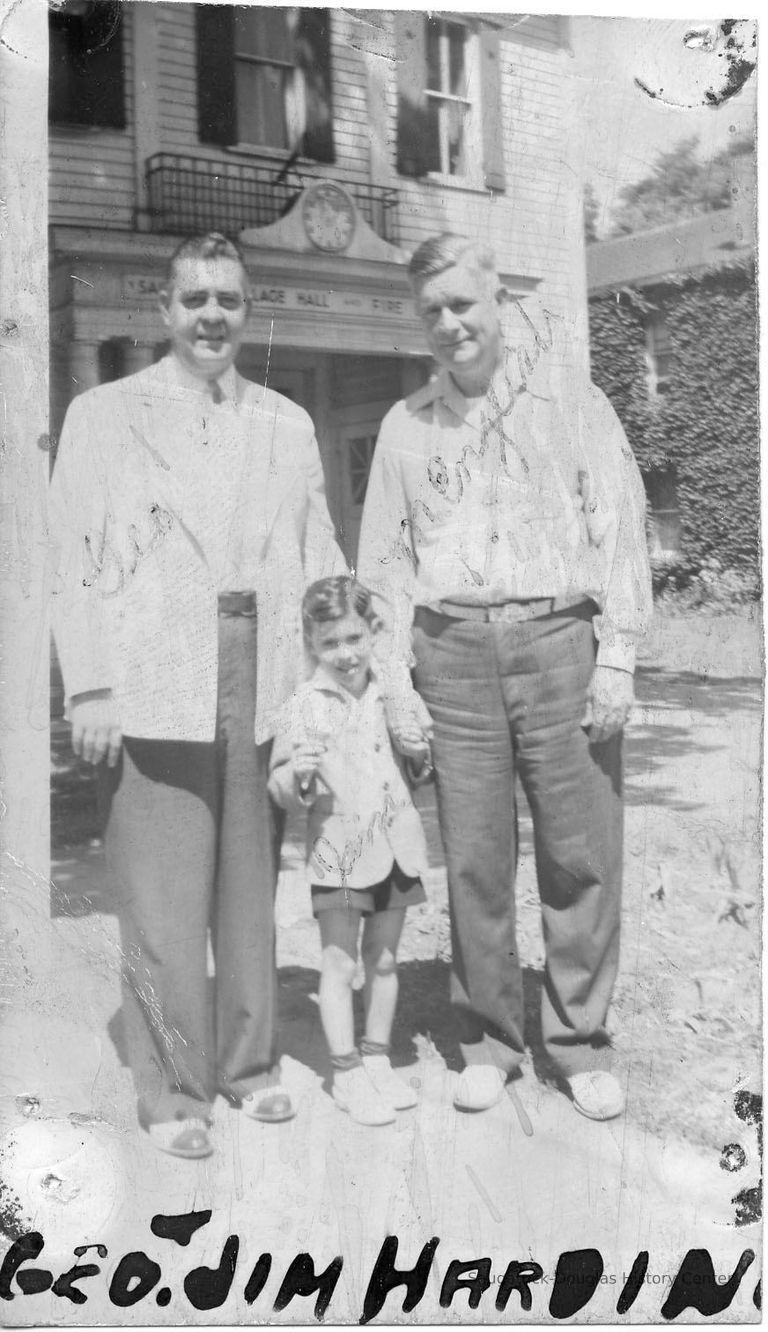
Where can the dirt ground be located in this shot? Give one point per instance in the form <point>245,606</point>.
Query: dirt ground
<point>685,1019</point>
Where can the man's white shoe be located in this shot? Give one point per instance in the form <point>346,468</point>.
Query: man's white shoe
<point>479,1087</point>
<point>390,1087</point>
<point>354,1092</point>
<point>597,1094</point>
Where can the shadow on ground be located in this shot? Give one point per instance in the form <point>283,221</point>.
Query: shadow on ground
<point>679,701</point>
<point>423,1011</point>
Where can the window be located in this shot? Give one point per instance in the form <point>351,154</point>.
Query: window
<point>360,450</point>
<point>658,356</point>
<point>663,521</point>
<point>268,84</point>
<point>450,119</point>
<point>264,78</point>
<point>448,105</point>
<point>85,68</point>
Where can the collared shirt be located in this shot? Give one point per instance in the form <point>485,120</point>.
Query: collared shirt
<point>218,436</point>
<point>528,492</point>
<point>182,378</point>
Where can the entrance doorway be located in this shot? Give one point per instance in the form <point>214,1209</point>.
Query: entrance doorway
<point>356,430</point>
<point>291,374</point>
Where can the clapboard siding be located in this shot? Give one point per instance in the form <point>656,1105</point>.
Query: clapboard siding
<point>178,90</point>
<point>91,178</point>
<point>537,31</point>
<point>92,171</point>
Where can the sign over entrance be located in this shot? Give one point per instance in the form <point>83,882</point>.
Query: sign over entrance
<point>278,296</point>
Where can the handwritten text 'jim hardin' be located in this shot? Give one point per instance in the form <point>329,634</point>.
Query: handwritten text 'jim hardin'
<point>577,1276</point>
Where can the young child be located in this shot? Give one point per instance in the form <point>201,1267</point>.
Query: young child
<point>366,848</point>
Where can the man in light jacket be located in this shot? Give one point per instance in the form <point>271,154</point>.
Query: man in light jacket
<point>188,514</point>
<point>504,521</point>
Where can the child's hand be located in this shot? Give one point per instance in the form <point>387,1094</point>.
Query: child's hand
<point>306,760</point>
<point>410,740</point>
<point>419,767</point>
<point>421,759</point>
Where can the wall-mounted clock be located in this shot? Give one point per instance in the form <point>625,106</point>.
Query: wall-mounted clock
<point>329,216</point>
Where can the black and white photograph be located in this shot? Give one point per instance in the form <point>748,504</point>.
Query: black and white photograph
<point>382,667</point>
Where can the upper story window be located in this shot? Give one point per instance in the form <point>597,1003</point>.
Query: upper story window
<point>449,100</point>
<point>659,356</point>
<point>85,67</point>
<point>264,78</point>
<point>448,106</point>
<point>268,82</point>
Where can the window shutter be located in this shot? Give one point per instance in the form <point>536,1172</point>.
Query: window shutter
<point>85,76</point>
<point>417,146</point>
<point>313,54</point>
<point>216,104</point>
<point>493,128</point>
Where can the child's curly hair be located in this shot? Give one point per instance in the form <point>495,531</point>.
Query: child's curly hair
<point>333,598</point>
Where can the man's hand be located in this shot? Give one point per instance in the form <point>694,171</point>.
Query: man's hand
<point>610,696</point>
<point>96,730</point>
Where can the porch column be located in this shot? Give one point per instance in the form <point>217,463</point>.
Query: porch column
<point>137,356</point>
<point>414,372</point>
<point>84,365</point>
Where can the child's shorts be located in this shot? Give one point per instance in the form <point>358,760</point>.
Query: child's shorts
<point>396,891</point>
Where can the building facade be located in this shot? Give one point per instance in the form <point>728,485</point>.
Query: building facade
<point>332,142</point>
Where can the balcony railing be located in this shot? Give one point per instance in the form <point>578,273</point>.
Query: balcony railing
<point>189,194</point>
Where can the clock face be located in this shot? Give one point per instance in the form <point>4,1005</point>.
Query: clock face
<point>329,217</point>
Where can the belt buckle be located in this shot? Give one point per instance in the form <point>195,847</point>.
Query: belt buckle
<point>241,604</point>
<point>515,612</point>
<point>512,612</point>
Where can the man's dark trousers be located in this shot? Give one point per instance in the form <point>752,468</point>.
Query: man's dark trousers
<point>509,699</point>
<point>191,844</point>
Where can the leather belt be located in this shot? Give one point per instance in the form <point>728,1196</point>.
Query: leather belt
<point>237,603</point>
<point>509,612</point>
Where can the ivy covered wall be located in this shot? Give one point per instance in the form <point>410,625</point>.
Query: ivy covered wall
<point>706,425</point>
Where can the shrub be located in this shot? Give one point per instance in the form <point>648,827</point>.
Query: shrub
<point>706,426</point>
<point>711,588</point>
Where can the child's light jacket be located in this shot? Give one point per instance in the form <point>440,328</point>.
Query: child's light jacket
<point>361,818</point>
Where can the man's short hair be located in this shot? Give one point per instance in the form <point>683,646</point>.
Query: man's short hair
<point>212,245</point>
<point>446,251</point>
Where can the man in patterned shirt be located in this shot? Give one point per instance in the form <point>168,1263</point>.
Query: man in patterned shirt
<point>504,523</point>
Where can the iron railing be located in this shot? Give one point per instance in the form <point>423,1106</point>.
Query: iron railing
<point>189,194</point>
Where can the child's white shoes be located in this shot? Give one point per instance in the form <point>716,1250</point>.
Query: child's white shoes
<point>354,1092</point>
<point>390,1087</point>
